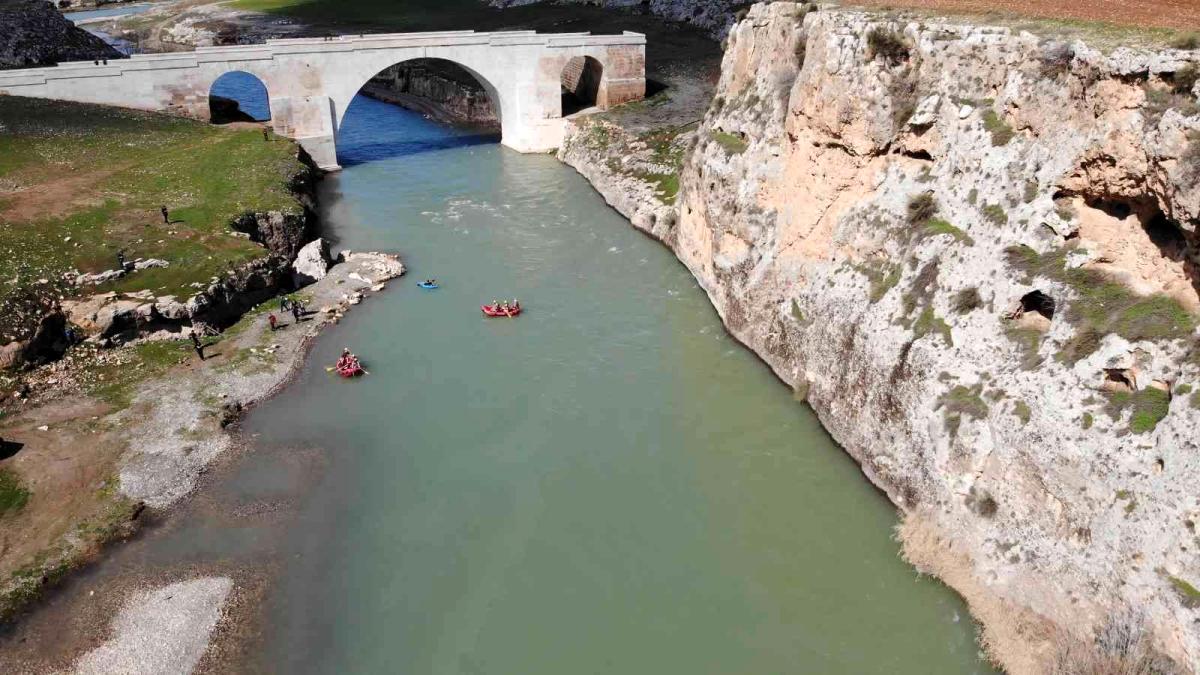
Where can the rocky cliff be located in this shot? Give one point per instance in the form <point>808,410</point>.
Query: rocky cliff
<point>972,250</point>
<point>33,33</point>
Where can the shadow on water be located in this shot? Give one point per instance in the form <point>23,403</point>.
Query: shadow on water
<point>362,153</point>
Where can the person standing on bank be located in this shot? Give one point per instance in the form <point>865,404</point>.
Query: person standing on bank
<point>197,344</point>
<point>165,214</point>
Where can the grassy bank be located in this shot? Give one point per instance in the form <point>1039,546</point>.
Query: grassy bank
<point>79,183</point>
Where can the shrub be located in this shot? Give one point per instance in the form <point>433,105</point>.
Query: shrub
<point>964,401</point>
<point>1055,60</point>
<point>887,44</point>
<point>995,214</point>
<point>1022,411</point>
<point>1149,407</point>
<point>1189,161</point>
<point>1189,41</point>
<point>1159,100</point>
<point>997,127</point>
<point>1122,647</point>
<point>1031,191</point>
<point>928,322</point>
<point>881,280</point>
<point>1185,79</point>
<point>967,300</point>
<point>1087,421</point>
<point>921,207</point>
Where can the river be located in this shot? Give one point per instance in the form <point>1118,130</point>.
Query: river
<point>607,484</point>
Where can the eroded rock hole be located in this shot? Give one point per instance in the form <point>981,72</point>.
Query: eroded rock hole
<point>1038,302</point>
<point>1120,379</point>
<point>1138,244</point>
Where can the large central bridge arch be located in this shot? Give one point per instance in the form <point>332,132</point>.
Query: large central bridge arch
<point>313,80</point>
<point>344,97</point>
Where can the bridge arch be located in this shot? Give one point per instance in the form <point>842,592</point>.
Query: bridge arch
<point>341,100</point>
<point>581,83</point>
<point>238,96</point>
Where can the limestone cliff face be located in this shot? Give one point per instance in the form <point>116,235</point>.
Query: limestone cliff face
<point>973,251</point>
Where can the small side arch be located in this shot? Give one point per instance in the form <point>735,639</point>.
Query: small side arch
<point>238,96</point>
<point>582,85</point>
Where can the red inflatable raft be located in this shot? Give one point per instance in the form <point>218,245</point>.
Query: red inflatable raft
<point>492,310</point>
<point>350,371</point>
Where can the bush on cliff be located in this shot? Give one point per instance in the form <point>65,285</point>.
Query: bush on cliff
<point>887,44</point>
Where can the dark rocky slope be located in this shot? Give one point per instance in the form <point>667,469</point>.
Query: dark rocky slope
<point>33,33</point>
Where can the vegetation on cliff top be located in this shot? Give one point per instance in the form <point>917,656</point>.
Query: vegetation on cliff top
<point>78,183</point>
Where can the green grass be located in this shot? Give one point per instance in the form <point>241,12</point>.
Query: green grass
<point>1149,407</point>
<point>927,322</point>
<point>148,359</point>
<point>1188,594</point>
<point>1087,421</point>
<point>962,401</point>
<point>1104,306</point>
<point>206,176</point>
<point>882,280</point>
<point>997,127</point>
<point>937,226</point>
<point>1022,411</point>
<point>666,185</point>
<point>732,144</point>
<point>13,493</point>
<point>995,214</point>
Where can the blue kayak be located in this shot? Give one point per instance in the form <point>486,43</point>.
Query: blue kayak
<point>422,284</point>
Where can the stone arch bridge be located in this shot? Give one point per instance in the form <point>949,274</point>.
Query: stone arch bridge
<point>311,81</point>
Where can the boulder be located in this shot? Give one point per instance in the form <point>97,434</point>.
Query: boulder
<point>150,262</point>
<point>97,278</point>
<point>312,262</point>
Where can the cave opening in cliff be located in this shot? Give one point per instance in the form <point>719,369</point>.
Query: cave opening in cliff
<point>1134,240</point>
<point>238,96</point>
<point>581,84</point>
<point>1039,303</point>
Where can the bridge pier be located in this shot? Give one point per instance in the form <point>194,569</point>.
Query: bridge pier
<point>309,121</point>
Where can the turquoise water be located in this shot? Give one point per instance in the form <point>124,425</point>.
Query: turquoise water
<point>607,484</point>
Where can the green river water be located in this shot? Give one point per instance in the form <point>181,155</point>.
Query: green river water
<point>608,484</point>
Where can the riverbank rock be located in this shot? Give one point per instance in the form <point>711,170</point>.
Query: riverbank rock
<point>33,33</point>
<point>312,262</point>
